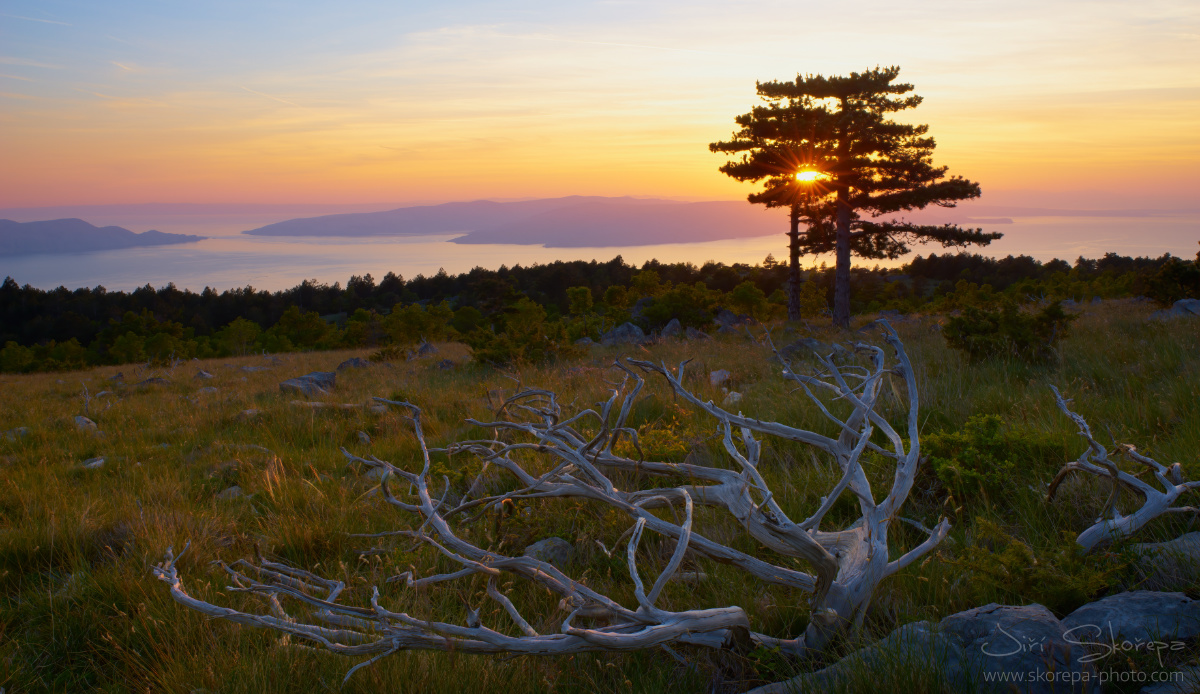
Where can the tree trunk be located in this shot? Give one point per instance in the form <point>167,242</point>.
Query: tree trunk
<point>794,265</point>
<point>841,277</point>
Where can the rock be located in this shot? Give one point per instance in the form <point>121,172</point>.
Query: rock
<point>1185,308</point>
<point>1172,564</point>
<point>206,390</point>
<point>92,464</point>
<point>1139,615</point>
<point>728,330</point>
<point>445,365</point>
<point>248,414</point>
<point>1000,638</point>
<point>1097,301</point>
<point>364,438</point>
<point>694,334</point>
<point>18,433</point>
<point>377,472</point>
<point>718,377</point>
<point>917,647</point>
<point>426,350</point>
<point>552,550</point>
<point>623,334</point>
<point>1185,680</point>
<point>803,347</point>
<point>355,363</point>
<point>585,342</point>
<point>639,307</point>
<point>733,398</point>
<point>672,329</point>
<point>234,492</point>
<point>377,408</point>
<point>891,315</point>
<point>725,317</point>
<point>1069,303</point>
<point>315,383</point>
<point>202,374</point>
<point>84,424</point>
<point>254,369</point>
<point>118,378</point>
<point>690,577</point>
<point>152,381</point>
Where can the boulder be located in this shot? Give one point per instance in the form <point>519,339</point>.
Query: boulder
<point>917,647</point>
<point>585,342</point>
<point>206,390</point>
<point>204,375</point>
<point>445,365</point>
<point>152,381</point>
<point>248,414</point>
<point>1184,308</point>
<point>640,306</point>
<point>694,334</point>
<point>1006,639</point>
<point>426,350</point>
<point>552,550</point>
<point>803,347</point>
<point>18,433</point>
<point>230,494</point>
<point>1185,680</point>
<point>315,383</point>
<point>84,424</point>
<point>364,437</point>
<point>92,464</point>
<point>1139,615</point>
<point>672,329</point>
<point>624,334</point>
<point>718,377</point>
<point>733,398</point>
<point>255,369</point>
<point>891,315</point>
<point>355,363</point>
<point>1172,564</point>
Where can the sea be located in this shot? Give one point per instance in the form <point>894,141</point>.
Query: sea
<point>228,259</point>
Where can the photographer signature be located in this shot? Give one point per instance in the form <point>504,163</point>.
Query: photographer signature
<point>1102,648</point>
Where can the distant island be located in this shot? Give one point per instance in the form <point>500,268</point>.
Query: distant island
<point>569,222</point>
<point>576,221</point>
<point>76,235</point>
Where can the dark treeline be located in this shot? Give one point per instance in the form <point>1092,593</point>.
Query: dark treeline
<point>61,328</point>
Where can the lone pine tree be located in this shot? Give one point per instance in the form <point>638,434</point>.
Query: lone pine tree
<point>825,148</point>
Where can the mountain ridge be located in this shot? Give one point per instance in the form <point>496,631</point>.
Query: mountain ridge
<point>74,235</point>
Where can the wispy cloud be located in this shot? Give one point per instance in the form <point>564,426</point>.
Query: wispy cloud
<point>272,98</point>
<point>35,19</point>
<point>15,77</point>
<point>10,95</point>
<point>26,62</point>
<point>124,67</point>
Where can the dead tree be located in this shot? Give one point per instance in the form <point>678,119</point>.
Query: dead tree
<point>579,460</point>
<point>1095,460</point>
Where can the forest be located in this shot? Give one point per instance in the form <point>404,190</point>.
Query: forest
<point>63,329</point>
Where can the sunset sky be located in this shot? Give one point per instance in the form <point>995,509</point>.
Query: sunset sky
<point>1043,102</point>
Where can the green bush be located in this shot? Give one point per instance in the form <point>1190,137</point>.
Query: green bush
<point>986,331</point>
<point>1063,577</point>
<point>984,457</point>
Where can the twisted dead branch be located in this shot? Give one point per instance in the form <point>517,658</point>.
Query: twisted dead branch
<point>1095,460</point>
<point>581,459</point>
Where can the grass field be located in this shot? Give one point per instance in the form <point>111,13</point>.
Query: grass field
<point>80,610</point>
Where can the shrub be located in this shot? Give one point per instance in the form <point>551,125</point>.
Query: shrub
<point>1063,578</point>
<point>984,331</point>
<point>985,457</point>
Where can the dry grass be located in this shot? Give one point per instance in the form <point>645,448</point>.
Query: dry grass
<point>79,609</point>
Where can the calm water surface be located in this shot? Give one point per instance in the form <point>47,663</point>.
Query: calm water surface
<point>229,259</point>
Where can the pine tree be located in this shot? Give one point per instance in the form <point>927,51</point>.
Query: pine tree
<point>825,148</point>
